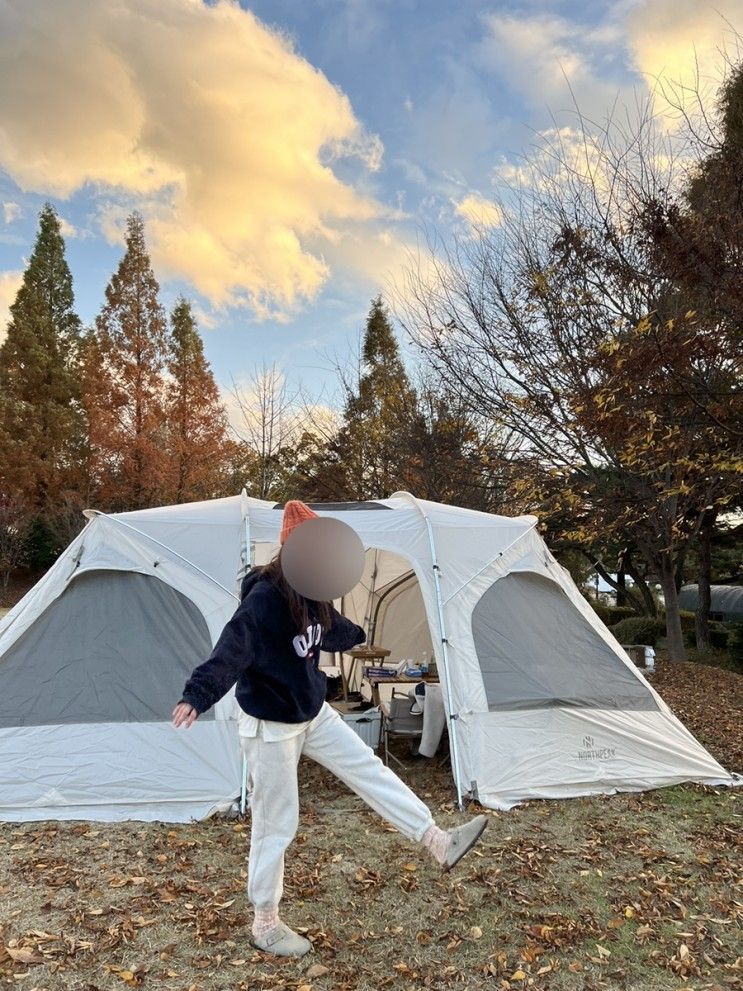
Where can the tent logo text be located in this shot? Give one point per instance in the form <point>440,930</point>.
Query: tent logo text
<point>591,752</point>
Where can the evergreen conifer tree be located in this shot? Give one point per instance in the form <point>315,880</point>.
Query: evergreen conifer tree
<point>198,430</point>
<point>41,421</point>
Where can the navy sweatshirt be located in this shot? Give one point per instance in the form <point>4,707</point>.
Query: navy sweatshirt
<point>276,670</point>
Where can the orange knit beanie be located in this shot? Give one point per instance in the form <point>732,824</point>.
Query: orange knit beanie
<point>295,512</point>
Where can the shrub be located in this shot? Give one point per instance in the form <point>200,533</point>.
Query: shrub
<point>688,626</point>
<point>718,635</point>
<point>735,642</point>
<point>639,629</point>
<point>612,614</point>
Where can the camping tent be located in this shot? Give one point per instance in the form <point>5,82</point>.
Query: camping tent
<point>542,702</point>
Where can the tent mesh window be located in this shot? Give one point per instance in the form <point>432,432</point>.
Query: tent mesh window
<point>536,650</point>
<point>114,647</point>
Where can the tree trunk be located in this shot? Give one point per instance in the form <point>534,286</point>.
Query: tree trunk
<point>674,633</point>
<point>640,584</point>
<point>621,588</point>
<point>704,603</point>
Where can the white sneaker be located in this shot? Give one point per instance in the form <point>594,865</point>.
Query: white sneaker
<point>283,942</point>
<point>462,839</point>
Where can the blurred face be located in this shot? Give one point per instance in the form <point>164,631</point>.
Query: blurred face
<point>322,559</point>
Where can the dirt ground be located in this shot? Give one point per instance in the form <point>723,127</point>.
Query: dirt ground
<point>638,892</point>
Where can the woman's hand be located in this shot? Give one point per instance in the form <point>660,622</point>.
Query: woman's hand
<point>184,713</point>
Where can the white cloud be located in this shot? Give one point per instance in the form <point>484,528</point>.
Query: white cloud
<point>552,61</point>
<point>208,120</point>
<point>204,318</point>
<point>479,211</point>
<point>549,60</point>
<point>676,39</point>
<point>67,229</point>
<point>11,211</point>
<point>263,404</point>
<point>10,283</point>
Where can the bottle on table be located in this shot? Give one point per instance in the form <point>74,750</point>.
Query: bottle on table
<point>424,663</point>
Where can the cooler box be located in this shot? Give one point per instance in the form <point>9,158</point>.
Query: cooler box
<point>367,724</point>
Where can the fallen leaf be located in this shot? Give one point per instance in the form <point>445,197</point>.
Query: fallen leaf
<point>25,954</point>
<point>317,970</point>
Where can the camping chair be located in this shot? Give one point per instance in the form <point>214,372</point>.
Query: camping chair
<point>398,720</point>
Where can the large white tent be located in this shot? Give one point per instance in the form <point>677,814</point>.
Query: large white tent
<point>542,702</point>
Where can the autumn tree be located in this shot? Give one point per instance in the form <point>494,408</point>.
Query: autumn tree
<point>562,327</point>
<point>697,235</point>
<point>126,396</point>
<point>41,423</point>
<point>14,523</point>
<point>197,423</point>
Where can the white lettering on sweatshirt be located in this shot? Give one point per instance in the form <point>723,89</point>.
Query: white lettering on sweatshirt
<point>303,643</point>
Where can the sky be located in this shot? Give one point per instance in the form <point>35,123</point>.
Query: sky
<point>288,156</point>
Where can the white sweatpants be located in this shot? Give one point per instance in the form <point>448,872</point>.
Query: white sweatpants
<point>274,799</point>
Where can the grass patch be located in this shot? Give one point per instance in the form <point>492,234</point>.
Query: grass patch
<point>628,891</point>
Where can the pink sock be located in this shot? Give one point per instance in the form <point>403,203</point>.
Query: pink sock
<point>265,920</point>
<point>436,841</point>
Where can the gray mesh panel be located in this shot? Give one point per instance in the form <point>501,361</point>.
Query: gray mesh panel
<point>114,647</point>
<point>535,649</point>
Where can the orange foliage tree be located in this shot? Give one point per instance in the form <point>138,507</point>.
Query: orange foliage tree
<point>124,390</point>
<point>199,446</point>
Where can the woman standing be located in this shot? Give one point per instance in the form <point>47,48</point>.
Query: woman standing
<point>271,648</point>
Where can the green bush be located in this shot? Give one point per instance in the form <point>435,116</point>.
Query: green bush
<point>688,626</point>
<point>639,629</point>
<point>718,635</point>
<point>735,642</point>
<point>42,547</point>
<point>611,614</point>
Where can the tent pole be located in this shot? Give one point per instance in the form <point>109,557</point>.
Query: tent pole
<point>451,715</point>
<point>492,561</point>
<point>248,561</point>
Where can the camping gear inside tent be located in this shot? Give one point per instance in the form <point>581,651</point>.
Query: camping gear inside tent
<point>541,700</point>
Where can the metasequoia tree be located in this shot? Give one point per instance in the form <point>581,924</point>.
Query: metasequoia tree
<point>126,397</point>
<point>41,423</point>
<point>197,423</point>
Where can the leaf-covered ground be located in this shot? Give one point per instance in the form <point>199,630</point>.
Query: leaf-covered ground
<point>633,891</point>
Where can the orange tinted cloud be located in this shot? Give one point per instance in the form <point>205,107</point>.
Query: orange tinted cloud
<point>208,120</point>
<point>10,283</point>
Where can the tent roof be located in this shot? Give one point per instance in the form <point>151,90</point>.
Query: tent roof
<point>230,509</point>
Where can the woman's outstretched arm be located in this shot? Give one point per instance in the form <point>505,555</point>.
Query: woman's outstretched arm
<point>219,672</point>
<point>342,635</point>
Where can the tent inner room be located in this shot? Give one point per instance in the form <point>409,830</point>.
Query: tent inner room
<point>387,603</point>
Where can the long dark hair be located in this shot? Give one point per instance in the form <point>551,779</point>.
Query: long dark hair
<point>303,611</point>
